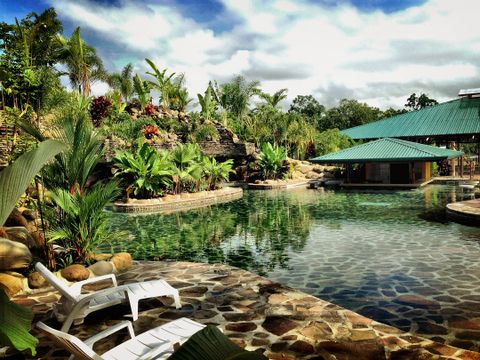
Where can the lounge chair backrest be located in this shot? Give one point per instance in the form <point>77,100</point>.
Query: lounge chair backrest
<point>76,346</point>
<point>57,283</point>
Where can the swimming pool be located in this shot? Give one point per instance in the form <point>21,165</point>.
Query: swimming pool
<point>389,255</point>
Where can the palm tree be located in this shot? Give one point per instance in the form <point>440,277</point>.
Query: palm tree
<point>238,93</point>
<point>163,83</point>
<point>273,100</point>
<point>122,81</point>
<point>83,64</point>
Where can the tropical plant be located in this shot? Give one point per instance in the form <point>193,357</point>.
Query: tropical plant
<point>15,320</point>
<point>73,167</point>
<point>99,109</point>
<point>81,225</point>
<point>82,62</point>
<point>207,103</point>
<point>163,83</point>
<point>15,323</point>
<point>187,169</point>
<point>203,132</point>
<point>270,160</point>
<point>15,178</point>
<point>237,94</point>
<point>273,100</point>
<point>142,89</point>
<point>215,172</point>
<point>146,171</point>
<point>181,100</point>
<point>122,82</point>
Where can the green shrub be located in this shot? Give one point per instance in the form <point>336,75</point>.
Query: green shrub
<point>146,171</point>
<point>271,160</point>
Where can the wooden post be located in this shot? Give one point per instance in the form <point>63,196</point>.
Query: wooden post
<point>461,167</point>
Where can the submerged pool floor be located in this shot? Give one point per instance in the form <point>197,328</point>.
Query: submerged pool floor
<point>390,256</point>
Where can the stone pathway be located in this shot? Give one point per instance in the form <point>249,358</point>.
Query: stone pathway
<point>254,312</point>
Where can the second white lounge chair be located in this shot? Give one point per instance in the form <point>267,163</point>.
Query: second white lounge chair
<point>74,306</point>
<point>157,343</point>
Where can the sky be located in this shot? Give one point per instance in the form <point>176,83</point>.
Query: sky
<point>375,51</point>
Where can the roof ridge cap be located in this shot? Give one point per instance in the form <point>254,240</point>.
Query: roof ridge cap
<point>408,144</point>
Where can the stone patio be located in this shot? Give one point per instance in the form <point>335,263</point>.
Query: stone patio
<point>254,312</point>
<point>465,212</point>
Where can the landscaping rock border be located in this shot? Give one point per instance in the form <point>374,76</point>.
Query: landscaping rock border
<point>185,201</point>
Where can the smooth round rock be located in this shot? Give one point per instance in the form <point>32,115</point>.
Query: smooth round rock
<point>101,268</point>
<point>21,235</point>
<point>75,272</point>
<point>122,261</point>
<point>35,280</point>
<point>14,255</point>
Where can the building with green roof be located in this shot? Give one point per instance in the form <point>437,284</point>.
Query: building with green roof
<point>452,121</point>
<point>388,161</point>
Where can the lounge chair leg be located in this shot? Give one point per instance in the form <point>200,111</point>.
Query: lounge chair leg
<point>176,298</point>
<point>67,324</point>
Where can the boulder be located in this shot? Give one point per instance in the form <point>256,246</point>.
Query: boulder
<point>14,255</point>
<point>312,175</point>
<point>35,280</point>
<point>122,261</point>
<point>30,214</point>
<point>75,272</point>
<point>21,235</point>
<point>16,219</point>
<point>12,282</point>
<point>101,268</point>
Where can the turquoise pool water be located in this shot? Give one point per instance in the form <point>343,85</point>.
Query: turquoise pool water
<point>391,256</point>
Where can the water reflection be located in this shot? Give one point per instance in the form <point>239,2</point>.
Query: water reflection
<point>252,233</point>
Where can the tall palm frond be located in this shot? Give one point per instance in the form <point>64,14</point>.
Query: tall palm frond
<point>83,64</point>
<point>122,81</point>
<point>273,100</point>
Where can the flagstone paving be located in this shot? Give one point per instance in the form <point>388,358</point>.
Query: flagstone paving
<point>254,312</point>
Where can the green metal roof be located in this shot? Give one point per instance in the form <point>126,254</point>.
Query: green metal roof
<point>387,150</point>
<point>455,117</point>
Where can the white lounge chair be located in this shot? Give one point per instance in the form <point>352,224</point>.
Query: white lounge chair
<point>74,306</point>
<point>157,343</point>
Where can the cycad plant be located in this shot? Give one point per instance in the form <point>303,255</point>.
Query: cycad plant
<point>81,223</point>
<point>147,172</point>
<point>270,160</point>
<point>215,172</point>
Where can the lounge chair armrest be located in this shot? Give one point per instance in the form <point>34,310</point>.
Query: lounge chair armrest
<point>77,287</point>
<point>111,330</point>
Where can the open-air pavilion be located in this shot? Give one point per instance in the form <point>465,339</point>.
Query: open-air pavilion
<point>388,163</point>
<point>447,124</point>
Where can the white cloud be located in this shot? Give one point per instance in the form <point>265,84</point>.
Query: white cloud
<point>329,51</point>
